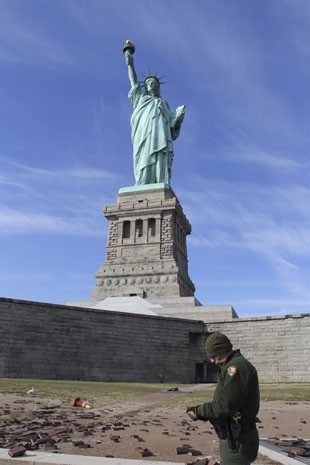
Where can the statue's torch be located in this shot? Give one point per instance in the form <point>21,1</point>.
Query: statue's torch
<point>129,46</point>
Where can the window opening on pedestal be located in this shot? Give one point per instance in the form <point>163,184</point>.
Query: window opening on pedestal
<point>139,228</point>
<point>126,230</point>
<point>152,227</point>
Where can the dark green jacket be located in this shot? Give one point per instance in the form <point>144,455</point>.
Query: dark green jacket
<point>237,390</point>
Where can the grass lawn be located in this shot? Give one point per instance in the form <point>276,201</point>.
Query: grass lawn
<point>107,393</point>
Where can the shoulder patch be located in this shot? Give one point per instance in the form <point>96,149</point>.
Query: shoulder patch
<point>232,370</point>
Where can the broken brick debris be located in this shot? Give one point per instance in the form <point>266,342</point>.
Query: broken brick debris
<point>194,452</point>
<point>293,447</point>
<point>47,427</point>
<point>205,461</point>
<point>20,435</point>
<point>17,451</point>
<point>182,450</point>
<point>302,451</point>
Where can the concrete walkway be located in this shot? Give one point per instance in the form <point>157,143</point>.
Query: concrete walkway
<point>277,456</point>
<point>40,458</point>
<point>45,458</point>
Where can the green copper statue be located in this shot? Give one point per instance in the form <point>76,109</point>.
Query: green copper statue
<point>153,127</point>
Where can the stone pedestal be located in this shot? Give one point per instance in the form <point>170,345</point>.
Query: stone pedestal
<point>146,252</point>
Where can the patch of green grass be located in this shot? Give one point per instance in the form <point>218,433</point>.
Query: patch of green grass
<point>193,398</point>
<point>289,392</point>
<point>107,393</point>
<point>93,391</point>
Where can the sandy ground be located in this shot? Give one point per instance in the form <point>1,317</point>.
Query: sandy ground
<point>135,429</point>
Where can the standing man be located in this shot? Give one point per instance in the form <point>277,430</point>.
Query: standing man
<point>153,127</point>
<point>235,403</point>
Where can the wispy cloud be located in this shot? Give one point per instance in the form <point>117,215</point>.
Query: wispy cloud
<point>297,13</point>
<point>242,149</point>
<point>271,225</point>
<point>280,306</point>
<point>28,41</point>
<point>18,222</point>
<point>272,220</point>
<point>39,200</point>
<point>86,173</point>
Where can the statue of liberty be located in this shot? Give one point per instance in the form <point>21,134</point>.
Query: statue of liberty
<point>153,126</point>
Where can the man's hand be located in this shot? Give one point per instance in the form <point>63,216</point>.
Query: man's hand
<point>192,413</point>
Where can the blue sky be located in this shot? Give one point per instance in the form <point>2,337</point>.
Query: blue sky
<point>241,166</point>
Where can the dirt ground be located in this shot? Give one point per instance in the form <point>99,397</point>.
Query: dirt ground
<point>133,429</point>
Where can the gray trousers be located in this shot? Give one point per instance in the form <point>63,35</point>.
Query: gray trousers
<point>247,451</point>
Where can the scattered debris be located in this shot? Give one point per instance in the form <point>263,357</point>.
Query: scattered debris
<point>291,446</point>
<point>17,451</point>
<point>194,452</point>
<point>182,450</point>
<point>81,403</point>
<point>77,442</point>
<point>23,436</point>
<point>205,461</point>
<point>32,423</point>
<point>88,416</point>
<point>147,453</point>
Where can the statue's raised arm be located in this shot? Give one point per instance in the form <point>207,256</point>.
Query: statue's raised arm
<point>153,126</point>
<point>129,50</point>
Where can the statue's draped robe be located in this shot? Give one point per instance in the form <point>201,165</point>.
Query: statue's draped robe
<point>152,133</point>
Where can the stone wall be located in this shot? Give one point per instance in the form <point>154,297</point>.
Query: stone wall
<point>278,346</point>
<point>48,341</point>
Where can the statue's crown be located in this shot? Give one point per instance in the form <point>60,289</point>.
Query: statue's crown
<point>153,76</point>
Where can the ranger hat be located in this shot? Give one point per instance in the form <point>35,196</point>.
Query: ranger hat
<point>218,344</point>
